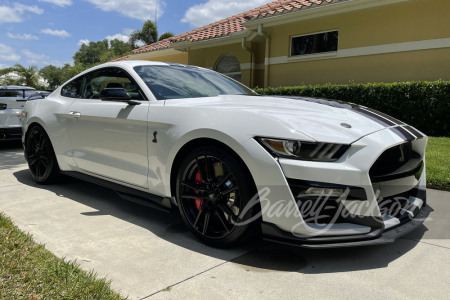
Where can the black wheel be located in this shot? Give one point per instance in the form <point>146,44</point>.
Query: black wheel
<point>40,156</point>
<point>213,190</point>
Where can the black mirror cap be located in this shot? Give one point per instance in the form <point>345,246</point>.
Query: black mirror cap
<point>114,94</point>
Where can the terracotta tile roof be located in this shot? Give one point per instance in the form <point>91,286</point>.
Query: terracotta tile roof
<point>283,7</point>
<point>164,44</point>
<point>120,58</point>
<point>235,23</point>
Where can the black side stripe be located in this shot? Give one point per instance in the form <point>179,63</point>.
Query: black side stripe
<point>405,135</point>
<point>414,131</point>
<point>374,117</point>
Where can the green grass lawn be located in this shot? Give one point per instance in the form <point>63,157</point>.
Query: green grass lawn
<point>438,163</point>
<point>29,271</point>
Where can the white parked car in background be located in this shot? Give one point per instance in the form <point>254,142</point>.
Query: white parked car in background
<point>302,171</point>
<point>12,100</point>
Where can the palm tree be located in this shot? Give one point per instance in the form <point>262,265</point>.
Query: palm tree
<point>147,35</point>
<point>28,76</point>
<point>5,78</point>
<point>20,75</point>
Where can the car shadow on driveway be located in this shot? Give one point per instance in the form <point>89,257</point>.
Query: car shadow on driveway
<point>260,257</point>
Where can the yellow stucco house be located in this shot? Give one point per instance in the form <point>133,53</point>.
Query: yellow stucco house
<point>292,42</point>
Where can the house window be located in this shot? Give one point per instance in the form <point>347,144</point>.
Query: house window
<point>314,43</point>
<point>229,65</point>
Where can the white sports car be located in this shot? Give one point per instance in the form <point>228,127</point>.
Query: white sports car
<point>304,171</point>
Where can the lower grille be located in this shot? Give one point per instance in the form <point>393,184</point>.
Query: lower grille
<point>326,207</point>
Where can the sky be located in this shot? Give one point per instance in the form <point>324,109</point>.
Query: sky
<point>43,32</point>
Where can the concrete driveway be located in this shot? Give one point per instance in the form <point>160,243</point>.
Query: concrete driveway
<point>151,254</point>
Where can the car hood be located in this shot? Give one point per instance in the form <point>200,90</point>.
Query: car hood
<point>321,120</point>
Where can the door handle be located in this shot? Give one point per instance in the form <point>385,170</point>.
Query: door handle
<point>74,114</point>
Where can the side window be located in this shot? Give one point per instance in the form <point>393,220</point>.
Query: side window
<point>98,80</point>
<point>73,88</point>
<point>8,93</point>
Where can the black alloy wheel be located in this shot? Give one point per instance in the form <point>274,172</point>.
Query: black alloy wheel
<point>40,156</point>
<point>213,190</point>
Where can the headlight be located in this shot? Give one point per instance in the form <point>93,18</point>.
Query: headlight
<point>304,150</point>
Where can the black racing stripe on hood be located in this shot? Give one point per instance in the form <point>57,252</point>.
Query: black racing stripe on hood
<point>414,131</point>
<point>376,116</point>
<point>327,102</point>
<point>397,122</point>
<point>373,116</point>
<point>401,132</point>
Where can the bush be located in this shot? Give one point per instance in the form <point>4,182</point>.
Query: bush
<point>425,105</point>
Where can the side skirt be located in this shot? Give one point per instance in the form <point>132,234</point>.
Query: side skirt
<point>130,194</point>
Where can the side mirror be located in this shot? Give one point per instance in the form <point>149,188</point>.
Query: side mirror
<point>115,94</point>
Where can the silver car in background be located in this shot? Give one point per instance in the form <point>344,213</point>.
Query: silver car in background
<point>12,100</point>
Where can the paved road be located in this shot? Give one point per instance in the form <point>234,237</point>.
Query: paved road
<point>150,254</point>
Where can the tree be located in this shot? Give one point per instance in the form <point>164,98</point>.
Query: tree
<point>147,35</point>
<point>56,76</point>
<point>89,55</point>
<point>28,76</point>
<point>6,78</point>
<point>117,48</point>
<point>53,75</point>
<point>99,52</point>
<point>68,71</point>
<point>165,35</point>
<point>20,75</point>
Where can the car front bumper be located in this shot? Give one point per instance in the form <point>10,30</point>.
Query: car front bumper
<point>392,203</point>
<point>274,234</point>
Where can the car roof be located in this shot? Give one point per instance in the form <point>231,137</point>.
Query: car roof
<point>134,63</point>
<point>128,64</point>
<point>16,87</point>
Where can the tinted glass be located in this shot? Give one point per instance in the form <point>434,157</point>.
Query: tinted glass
<point>10,93</point>
<point>73,88</point>
<point>98,80</point>
<point>314,43</point>
<point>179,81</point>
<point>15,93</point>
<point>29,93</point>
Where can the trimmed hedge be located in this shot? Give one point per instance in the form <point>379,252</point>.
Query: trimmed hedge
<point>424,105</point>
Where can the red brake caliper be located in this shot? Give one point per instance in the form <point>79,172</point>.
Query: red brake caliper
<point>198,180</point>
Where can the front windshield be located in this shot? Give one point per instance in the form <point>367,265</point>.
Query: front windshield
<point>180,81</point>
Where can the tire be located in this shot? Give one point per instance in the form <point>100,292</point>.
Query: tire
<point>213,191</point>
<point>41,156</point>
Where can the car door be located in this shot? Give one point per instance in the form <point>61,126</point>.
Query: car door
<point>109,138</point>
